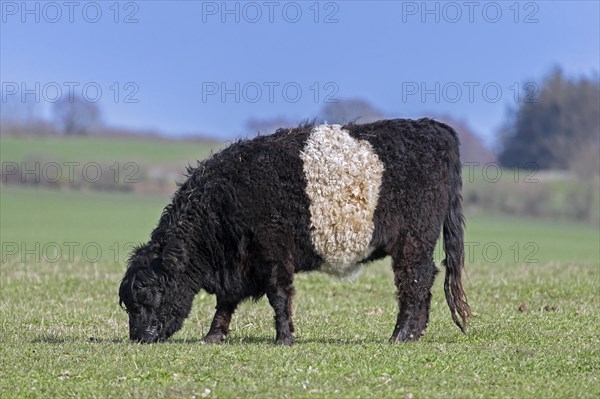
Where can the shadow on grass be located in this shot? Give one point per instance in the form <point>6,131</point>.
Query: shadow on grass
<point>262,340</point>
<point>57,340</point>
<point>50,339</point>
<point>230,341</point>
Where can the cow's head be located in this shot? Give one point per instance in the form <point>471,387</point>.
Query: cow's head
<point>155,293</point>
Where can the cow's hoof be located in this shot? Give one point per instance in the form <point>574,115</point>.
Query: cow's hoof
<point>287,341</point>
<point>405,336</point>
<point>214,338</point>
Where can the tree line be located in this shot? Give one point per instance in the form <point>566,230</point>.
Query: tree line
<point>560,130</point>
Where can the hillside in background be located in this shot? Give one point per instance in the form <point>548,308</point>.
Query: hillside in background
<point>154,165</point>
<point>143,164</point>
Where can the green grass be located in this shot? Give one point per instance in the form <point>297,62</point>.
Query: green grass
<point>62,333</point>
<point>103,149</point>
<point>32,215</point>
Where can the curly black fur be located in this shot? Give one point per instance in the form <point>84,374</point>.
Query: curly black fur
<point>239,228</point>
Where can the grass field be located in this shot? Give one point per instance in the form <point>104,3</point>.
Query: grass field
<point>62,333</point>
<point>160,161</point>
<point>102,149</point>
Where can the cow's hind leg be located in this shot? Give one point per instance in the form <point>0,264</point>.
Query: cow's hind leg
<point>219,328</point>
<point>290,312</point>
<point>414,273</point>
<point>280,299</point>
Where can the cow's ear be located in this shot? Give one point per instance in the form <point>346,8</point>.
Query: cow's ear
<point>174,256</point>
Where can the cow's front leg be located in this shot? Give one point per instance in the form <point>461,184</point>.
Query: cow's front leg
<point>291,314</point>
<point>280,299</point>
<point>219,328</point>
<point>414,278</point>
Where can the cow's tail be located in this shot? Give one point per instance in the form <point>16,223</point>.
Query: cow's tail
<point>453,236</point>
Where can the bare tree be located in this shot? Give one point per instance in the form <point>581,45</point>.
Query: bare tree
<point>76,116</point>
<point>19,115</point>
<point>350,110</point>
<point>267,125</point>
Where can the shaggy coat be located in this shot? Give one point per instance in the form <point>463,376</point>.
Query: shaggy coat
<point>327,198</point>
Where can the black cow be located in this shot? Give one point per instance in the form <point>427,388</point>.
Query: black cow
<point>317,197</point>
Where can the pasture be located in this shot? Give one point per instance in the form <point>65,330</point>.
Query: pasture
<point>104,149</point>
<point>534,285</point>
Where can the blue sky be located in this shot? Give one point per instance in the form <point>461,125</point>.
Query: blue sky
<point>469,60</point>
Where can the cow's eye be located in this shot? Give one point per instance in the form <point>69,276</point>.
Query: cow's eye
<point>133,310</point>
<point>145,297</point>
<point>149,298</point>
